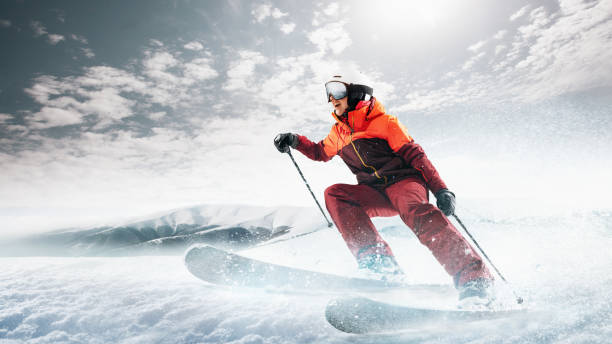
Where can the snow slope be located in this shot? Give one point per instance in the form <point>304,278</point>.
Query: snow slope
<point>560,265</point>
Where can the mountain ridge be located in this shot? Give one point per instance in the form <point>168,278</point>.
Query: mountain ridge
<point>171,232</point>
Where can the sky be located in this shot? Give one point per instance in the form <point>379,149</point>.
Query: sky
<point>116,109</point>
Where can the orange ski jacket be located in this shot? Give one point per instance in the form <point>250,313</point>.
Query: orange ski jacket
<point>375,147</point>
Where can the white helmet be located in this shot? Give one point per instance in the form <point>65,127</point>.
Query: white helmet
<point>350,75</point>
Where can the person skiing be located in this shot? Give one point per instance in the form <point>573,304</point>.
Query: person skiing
<point>393,178</point>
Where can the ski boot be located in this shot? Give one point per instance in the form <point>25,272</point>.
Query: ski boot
<point>477,293</point>
<point>382,267</point>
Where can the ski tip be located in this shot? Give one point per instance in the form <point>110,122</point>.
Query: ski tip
<point>337,315</point>
<point>194,248</point>
<point>195,252</point>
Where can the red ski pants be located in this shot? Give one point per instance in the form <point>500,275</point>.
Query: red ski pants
<point>352,206</point>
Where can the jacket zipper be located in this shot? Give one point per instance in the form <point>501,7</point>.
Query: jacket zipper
<point>363,162</point>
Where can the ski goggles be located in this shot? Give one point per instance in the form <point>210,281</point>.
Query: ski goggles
<point>336,89</point>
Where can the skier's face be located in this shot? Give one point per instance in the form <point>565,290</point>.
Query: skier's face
<point>340,105</point>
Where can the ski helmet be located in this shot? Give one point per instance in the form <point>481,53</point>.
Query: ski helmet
<point>340,86</point>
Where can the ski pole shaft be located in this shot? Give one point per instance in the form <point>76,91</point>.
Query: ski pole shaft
<point>289,238</point>
<point>329,224</point>
<point>518,298</point>
<point>479,248</point>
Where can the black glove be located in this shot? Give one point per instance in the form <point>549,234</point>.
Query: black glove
<point>446,201</point>
<point>284,141</point>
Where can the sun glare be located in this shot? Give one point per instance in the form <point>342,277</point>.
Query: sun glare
<point>394,15</point>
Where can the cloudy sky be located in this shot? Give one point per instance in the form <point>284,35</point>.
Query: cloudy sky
<point>116,109</point>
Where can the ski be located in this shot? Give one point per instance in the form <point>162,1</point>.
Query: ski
<point>218,266</point>
<point>364,315</point>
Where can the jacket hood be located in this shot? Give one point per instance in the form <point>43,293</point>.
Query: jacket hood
<point>364,112</point>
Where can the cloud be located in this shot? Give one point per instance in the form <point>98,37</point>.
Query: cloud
<point>332,9</point>
<point>68,100</point>
<point>22,129</point>
<point>39,29</point>
<point>104,95</point>
<point>568,53</point>
<point>200,69</point>
<point>573,7</point>
<point>500,48</point>
<point>44,87</point>
<point>173,77</point>
<point>4,117</point>
<point>157,64</point>
<point>332,37</point>
<point>95,168</point>
<point>5,23</point>
<point>287,28</point>
<point>520,13</point>
<point>277,14</point>
<point>241,70</point>
<point>539,21</point>
<point>330,12</point>
<point>261,12</point>
<point>107,103</point>
<point>550,54</point>
<point>156,116</point>
<point>195,46</point>
<point>60,15</point>
<point>104,76</point>
<point>118,167</point>
<point>476,46</point>
<point>79,38</point>
<point>473,60</point>
<point>49,117</point>
<point>88,53</point>
<point>264,11</point>
<point>293,85</point>
<point>296,82</point>
<point>54,38</point>
<point>500,34</point>
<point>156,43</point>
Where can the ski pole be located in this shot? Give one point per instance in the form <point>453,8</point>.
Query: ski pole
<point>519,299</point>
<point>329,224</point>
<point>289,238</point>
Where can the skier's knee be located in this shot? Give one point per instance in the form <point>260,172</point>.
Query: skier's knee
<point>334,192</point>
<point>414,206</point>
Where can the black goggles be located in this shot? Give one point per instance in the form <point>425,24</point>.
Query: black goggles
<point>336,89</point>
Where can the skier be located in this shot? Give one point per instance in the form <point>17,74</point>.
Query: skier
<point>394,176</point>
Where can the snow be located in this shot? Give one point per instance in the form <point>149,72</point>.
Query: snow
<point>560,265</point>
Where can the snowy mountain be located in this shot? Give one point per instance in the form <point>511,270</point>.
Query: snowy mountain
<point>232,226</point>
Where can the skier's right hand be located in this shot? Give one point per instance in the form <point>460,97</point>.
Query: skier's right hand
<point>284,141</point>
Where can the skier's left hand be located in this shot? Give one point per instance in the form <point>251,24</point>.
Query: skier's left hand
<point>446,201</point>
